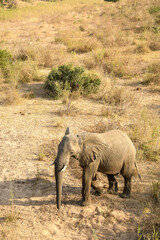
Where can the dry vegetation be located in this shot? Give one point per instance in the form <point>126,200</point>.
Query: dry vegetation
<point>120,42</point>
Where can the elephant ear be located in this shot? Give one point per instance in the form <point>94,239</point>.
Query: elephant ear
<point>93,148</point>
<point>68,131</point>
<point>90,154</point>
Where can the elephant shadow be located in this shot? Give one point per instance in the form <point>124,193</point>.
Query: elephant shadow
<point>34,191</point>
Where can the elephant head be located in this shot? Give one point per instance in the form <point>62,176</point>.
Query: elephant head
<point>70,146</point>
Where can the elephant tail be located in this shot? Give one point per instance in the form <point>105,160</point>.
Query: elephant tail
<point>137,171</point>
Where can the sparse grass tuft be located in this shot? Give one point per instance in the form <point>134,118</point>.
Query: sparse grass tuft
<point>9,218</point>
<point>154,9</point>
<point>68,109</point>
<point>148,234</point>
<point>41,155</point>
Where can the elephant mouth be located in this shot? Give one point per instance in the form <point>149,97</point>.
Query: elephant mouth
<point>74,156</point>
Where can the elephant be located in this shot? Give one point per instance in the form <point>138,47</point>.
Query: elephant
<point>110,153</point>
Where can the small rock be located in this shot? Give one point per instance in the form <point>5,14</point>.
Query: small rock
<point>98,211</point>
<point>22,113</point>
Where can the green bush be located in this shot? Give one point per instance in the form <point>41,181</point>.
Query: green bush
<point>5,58</point>
<point>6,61</point>
<point>69,78</point>
<point>154,10</point>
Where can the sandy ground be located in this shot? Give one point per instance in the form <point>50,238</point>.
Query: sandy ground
<point>27,185</point>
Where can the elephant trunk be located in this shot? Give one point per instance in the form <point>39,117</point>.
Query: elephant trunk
<point>59,177</point>
<point>61,163</point>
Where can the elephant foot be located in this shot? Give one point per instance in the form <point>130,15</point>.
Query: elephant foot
<point>116,187</point>
<point>110,191</point>
<point>98,193</point>
<point>123,195</point>
<point>86,202</point>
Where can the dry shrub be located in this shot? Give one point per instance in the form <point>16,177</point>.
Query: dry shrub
<point>113,63</point>
<point>48,151</point>
<point>155,45</point>
<point>12,96</point>
<point>153,74</point>
<point>141,47</point>
<point>146,135</point>
<point>120,96</point>
<point>41,55</point>
<point>82,45</point>
<point>29,95</point>
<point>104,126</point>
<point>21,72</point>
<point>149,227</point>
<point>77,42</point>
<point>152,40</point>
<point>117,100</point>
<point>69,109</point>
<point>26,54</point>
<point>17,71</point>
<point>26,72</point>
<point>11,4</point>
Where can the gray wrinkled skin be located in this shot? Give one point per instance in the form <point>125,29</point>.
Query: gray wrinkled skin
<point>110,153</point>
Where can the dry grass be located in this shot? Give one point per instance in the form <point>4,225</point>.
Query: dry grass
<point>41,9</point>
<point>77,41</point>
<point>119,97</point>
<point>153,74</point>
<point>119,41</point>
<point>11,96</point>
<point>69,108</point>
<point>150,226</point>
<point>42,56</point>
<point>146,136</point>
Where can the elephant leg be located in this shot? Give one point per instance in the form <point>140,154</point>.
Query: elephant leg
<point>99,190</point>
<point>86,186</point>
<point>113,185</point>
<point>89,173</point>
<point>127,187</point>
